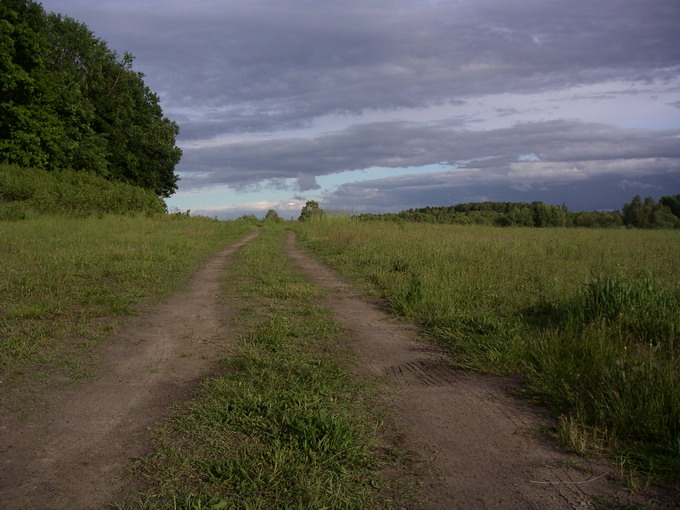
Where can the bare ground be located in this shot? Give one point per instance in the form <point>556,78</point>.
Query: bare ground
<point>473,445</point>
<point>71,454</point>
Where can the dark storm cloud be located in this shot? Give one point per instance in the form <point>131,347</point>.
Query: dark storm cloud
<point>443,189</point>
<point>526,153</point>
<point>265,65</point>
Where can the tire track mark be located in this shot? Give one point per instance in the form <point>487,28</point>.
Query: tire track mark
<point>482,447</point>
<point>73,453</point>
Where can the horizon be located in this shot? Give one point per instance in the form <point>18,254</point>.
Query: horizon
<point>391,105</point>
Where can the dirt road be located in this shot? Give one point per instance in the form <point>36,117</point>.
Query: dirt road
<point>71,454</point>
<point>473,445</point>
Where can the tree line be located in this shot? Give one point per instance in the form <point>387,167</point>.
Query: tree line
<point>69,102</point>
<point>638,213</point>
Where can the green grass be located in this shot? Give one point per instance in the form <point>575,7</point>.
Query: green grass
<point>591,318</point>
<point>287,424</point>
<point>26,192</point>
<point>64,280</point>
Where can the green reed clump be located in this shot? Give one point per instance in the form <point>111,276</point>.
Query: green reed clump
<point>637,309</point>
<point>611,362</point>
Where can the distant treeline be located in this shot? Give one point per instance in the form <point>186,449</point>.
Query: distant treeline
<point>638,213</point>
<point>68,102</point>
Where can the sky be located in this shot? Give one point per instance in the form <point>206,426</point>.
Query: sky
<point>386,105</point>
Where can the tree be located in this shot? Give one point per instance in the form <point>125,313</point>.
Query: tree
<point>272,215</point>
<point>521,216</point>
<point>548,215</point>
<point>649,214</point>
<point>673,204</point>
<point>311,211</point>
<point>67,101</point>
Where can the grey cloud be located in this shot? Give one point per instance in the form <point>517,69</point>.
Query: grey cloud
<point>557,144</point>
<point>397,194</point>
<point>307,182</point>
<point>265,64</point>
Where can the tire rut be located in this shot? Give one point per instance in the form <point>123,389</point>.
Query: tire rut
<point>475,446</point>
<point>72,453</point>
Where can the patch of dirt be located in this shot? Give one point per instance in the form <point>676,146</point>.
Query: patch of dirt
<point>472,444</point>
<point>71,453</point>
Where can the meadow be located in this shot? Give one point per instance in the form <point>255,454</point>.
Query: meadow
<point>65,280</point>
<point>589,318</point>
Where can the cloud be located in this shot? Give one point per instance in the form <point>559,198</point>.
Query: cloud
<point>241,77</point>
<point>287,209</point>
<point>636,185</point>
<point>265,65</point>
<point>558,149</point>
<point>443,189</point>
<point>307,182</point>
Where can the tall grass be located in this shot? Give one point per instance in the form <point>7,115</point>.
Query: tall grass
<point>27,191</point>
<point>64,280</point>
<point>590,317</point>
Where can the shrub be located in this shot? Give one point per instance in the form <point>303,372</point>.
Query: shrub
<point>71,192</point>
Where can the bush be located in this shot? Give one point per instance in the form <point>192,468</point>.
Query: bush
<point>14,211</point>
<point>70,192</point>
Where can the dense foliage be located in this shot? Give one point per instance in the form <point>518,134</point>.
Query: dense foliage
<point>311,211</point>
<point>27,191</point>
<point>650,214</point>
<point>637,213</point>
<point>68,101</point>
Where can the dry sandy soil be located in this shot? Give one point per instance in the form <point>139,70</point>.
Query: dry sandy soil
<point>472,445</point>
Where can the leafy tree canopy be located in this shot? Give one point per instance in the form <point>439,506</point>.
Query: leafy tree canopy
<point>650,214</point>
<point>68,101</point>
<point>272,215</point>
<point>311,211</point>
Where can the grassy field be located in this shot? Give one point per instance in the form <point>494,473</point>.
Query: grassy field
<point>287,425</point>
<point>64,280</point>
<point>590,317</point>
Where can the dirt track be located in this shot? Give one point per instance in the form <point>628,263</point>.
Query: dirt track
<point>473,445</point>
<point>71,454</point>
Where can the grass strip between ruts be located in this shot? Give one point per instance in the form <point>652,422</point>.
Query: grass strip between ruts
<point>287,424</point>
